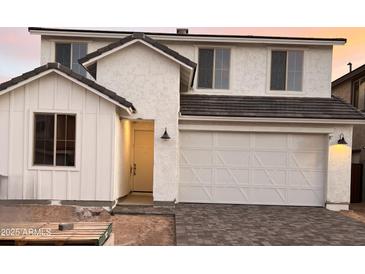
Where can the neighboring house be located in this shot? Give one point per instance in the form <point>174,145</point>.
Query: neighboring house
<point>191,118</point>
<point>351,88</point>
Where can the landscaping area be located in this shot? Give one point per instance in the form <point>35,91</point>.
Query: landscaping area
<point>202,224</point>
<point>135,230</point>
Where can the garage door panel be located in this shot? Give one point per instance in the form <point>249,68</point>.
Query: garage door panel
<point>234,140</point>
<point>232,158</point>
<point>196,139</point>
<point>231,177</point>
<point>195,194</point>
<point>268,177</point>
<point>266,140</point>
<point>196,157</point>
<point>313,160</point>
<point>305,197</point>
<point>302,178</point>
<point>196,176</point>
<point>269,196</point>
<point>269,159</point>
<point>307,142</point>
<point>253,168</point>
<point>230,195</point>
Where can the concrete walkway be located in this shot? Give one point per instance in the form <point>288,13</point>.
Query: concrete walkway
<point>200,224</point>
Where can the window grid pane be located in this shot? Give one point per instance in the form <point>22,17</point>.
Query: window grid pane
<point>222,64</point>
<point>78,51</point>
<point>65,146</point>
<point>278,70</point>
<point>206,62</point>
<point>63,54</point>
<point>295,70</point>
<point>44,139</point>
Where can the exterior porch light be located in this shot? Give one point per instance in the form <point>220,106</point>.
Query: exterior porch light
<point>342,140</point>
<point>165,135</point>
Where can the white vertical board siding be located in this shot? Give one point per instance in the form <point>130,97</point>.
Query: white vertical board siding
<point>92,177</point>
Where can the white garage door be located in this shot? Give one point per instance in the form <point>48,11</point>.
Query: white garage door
<point>253,168</point>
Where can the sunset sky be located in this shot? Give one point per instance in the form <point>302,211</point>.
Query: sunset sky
<point>20,51</point>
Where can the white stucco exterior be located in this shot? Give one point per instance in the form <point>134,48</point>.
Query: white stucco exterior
<point>250,66</point>
<point>151,81</point>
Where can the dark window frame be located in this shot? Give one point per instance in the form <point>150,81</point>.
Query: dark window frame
<point>286,69</point>
<point>355,95</point>
<point>55,140</point>
<point>71,54</point>
<point>213,76</point>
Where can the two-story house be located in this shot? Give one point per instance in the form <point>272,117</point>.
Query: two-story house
<point>186,117</point>
<point>351,88</point>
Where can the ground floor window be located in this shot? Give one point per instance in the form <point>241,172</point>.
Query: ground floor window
<point>54,139</point>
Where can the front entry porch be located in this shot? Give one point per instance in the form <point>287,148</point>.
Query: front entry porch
<point>137,162</point>
<point>136,198</point>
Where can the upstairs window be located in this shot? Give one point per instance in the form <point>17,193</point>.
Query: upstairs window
<point>287,70</point>
<point>54,139</point>
<point>214,68</point>
<point>68,54</point>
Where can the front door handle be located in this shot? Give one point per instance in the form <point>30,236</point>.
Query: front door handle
<point>134,169</point>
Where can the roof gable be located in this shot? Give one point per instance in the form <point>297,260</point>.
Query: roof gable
<point>89,60</point>
<point>67,73</point>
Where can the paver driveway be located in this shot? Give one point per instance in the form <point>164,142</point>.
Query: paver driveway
<point>201,224</point>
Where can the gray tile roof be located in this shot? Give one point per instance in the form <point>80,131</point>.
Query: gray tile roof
<point>92,84</point>
<point>267,107</point>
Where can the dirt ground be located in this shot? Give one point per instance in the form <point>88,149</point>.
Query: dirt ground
<point>147,230</point>
<point>357,212</point>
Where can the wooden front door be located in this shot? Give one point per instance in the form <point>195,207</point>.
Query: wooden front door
<point>143,161</point>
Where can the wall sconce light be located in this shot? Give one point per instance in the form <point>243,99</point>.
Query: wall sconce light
<point>165,135</point>
<point>342,140</point>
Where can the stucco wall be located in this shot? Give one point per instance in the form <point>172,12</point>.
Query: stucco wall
<point>92,178</point>
<point>151,82</point>
<point>250,67</point>
<point>343,91</point>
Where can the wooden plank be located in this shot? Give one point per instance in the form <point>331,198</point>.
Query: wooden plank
<point>85,233</point>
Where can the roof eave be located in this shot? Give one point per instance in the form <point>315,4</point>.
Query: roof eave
<point>273,120</point>
<point>193,38</point>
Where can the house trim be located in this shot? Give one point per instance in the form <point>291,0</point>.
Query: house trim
<point>192,37</point>
<point>272,120</point>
